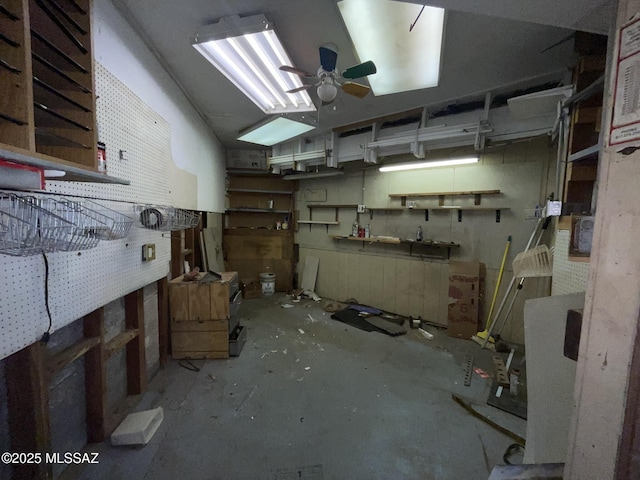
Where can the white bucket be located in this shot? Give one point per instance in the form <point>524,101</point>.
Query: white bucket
<point>268,282</point>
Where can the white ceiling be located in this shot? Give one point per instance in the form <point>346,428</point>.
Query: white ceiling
<point>491,45</point>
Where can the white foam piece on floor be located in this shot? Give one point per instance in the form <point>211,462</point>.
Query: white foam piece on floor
<point>138,428</point>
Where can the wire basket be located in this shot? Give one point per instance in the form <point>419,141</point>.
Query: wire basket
<point>117,224</point>
<point>164,218</point>
<point>87,225</point>
<point>28,229</point>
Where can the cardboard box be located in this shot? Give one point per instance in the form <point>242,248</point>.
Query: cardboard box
<point>466,285</point>
<point>251,289</point>
<point>192,301</point>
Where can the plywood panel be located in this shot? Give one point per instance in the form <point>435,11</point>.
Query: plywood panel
<point>199,302</point>
<point>364,274</point>
<point>377,286</point>
<point>353,277</point>
<point>200,341</point>
<point>258,248</point>
<point>431,292</point>
<point>416,273</point>
<point>402,286</point>
<point>390,277</point>
<point>342,283</point>
<point>179,301</point>
<point>201,326</point>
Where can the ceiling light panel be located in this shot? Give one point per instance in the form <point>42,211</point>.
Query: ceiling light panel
<point>406,60</point>
<point>274,131</point>
<point>248,52</point>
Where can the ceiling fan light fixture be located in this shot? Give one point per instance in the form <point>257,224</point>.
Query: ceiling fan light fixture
<point>248,52</point>
<point>327,91</point>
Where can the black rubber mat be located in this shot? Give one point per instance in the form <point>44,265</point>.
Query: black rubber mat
<point>351,317</point>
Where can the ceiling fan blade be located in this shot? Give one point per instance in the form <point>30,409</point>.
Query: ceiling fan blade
<point>299,89</point>
<point>361,70</point>
<point>355,89</point>
<point>328,59</point>
<point>296,71</point>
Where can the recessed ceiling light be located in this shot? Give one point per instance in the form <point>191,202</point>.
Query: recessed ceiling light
<point>406,60</point>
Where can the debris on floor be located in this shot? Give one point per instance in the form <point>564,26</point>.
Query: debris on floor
<point>427,335</point>
<point>137,428</point>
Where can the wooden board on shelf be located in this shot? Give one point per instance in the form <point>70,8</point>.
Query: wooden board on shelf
<point>368,239</point>
<point>437,194</point>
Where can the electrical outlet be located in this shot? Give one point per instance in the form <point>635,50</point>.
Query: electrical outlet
<point>148,252</point>
<point>361,208</point>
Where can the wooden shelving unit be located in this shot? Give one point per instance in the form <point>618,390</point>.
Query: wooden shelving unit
<point>47,107</point>
<point>252,245</point>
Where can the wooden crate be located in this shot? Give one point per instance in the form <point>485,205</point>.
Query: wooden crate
<point>193,301</point>
<point>200,339</point>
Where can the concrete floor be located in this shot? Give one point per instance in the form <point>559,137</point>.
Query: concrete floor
<point>331,403</point>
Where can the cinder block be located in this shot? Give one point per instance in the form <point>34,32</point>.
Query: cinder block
<point>138,428</point>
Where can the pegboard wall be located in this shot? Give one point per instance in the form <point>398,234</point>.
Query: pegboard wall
<point>80,282</point>
<point>568,277</point>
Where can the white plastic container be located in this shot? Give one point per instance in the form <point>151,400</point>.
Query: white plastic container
<point>268,282</point>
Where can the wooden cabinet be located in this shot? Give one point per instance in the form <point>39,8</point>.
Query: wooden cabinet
<point>200,314</point>
<point>252,244</point>
<point>47,106</point>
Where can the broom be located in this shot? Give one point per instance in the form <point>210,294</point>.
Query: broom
<point>481,337</point>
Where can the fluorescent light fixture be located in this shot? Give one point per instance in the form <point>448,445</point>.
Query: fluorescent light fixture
<point>406,60</point>
<point>311,175</point>
<point>297,157</point>
<point>433,163</point>
<point>275,130</point>
<point>248,52</point>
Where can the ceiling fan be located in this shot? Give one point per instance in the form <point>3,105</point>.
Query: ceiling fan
<point>326,79</point>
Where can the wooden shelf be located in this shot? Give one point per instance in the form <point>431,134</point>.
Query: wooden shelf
<point>392,240</point>
<point>445,247</point>
<point>317,222</point>
<point>317,205</point>
<point>458,207</point>
<point>476,193</point>
<point>73,173</point>
<point>252,190</point>
<point>257,210</point>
